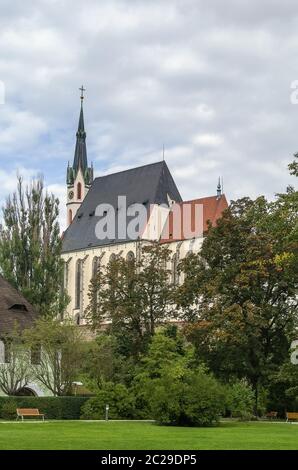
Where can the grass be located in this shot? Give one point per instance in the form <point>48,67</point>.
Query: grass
<point>72,435</point>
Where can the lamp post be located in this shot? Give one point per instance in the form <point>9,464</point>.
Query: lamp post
<point>107,412</point>
<point>76,385</point>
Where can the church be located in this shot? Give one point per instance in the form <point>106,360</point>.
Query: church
<point>118,214</point>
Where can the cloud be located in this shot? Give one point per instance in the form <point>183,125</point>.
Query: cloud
<point>8,185</point>
<point>20,129</point>
<point>208,140</point>
<point>209,81</point>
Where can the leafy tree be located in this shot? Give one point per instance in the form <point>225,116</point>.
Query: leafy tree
<point>192,398</point>
<point>15,371</point>
<point>30,246</point>
<point>135,296</point>
<point>167,351</point>
<point>287,377</point>
<point>102,363</point>
<point>121,403</point>
<point>240,399</point>
<point>170,387</point>
<point>61,354</point>
<point>240,292</point>
<point>293,167</point>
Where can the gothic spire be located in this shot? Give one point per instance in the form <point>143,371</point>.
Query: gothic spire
<point>80,160</point>
<point>80,156</point>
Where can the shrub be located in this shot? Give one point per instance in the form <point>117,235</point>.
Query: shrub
<point>240,400</point>
<point>8,410</point>
<point>52,407</point>
<point>193,399</point>
<point>120,400</point>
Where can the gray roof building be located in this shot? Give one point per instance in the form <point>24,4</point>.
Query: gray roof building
<point>147,185</point>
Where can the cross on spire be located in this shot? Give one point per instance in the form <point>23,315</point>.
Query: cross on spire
<point>82,89</point>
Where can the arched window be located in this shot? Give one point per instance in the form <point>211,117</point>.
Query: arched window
<point>78,294</point>
<point>2,352</point>
<point>130,256</point>
<point>112,257</point>
<point>65,274</point>
<point>174,269</point>
<point>95,266</point>
<point>5,352</point>
<point>79,191</point>
<point>69,216</point>
<point>35,354</point>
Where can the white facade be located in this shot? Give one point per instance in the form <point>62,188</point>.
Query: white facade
<point>35,387</point>
<point>83,263</point>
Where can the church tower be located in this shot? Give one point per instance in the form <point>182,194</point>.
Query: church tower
<point>79,176</point>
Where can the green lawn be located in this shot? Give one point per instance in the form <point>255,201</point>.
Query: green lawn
<point>135,435</point>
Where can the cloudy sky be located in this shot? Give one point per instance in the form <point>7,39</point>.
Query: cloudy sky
<point>211,80</point>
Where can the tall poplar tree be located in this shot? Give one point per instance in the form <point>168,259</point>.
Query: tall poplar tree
<point>30,246</point>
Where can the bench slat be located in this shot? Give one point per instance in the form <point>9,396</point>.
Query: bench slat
<point>292,415</point>
<point>28,412</point>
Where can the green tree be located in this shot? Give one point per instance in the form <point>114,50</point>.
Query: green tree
<point>192,398</point>
<point>168,353</point>
<point>287,378</point>
<point>240,399</point>
<point>60,360</point>
<point>293,167</point>
<point>30,247</point>
<point>240,292</point>
<point>15,370</point>
<point>102,363</point>
<point>135,296</point>
<point>170,387</point>
<point>121,403</point>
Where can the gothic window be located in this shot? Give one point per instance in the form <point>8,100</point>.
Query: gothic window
<point>69,216</point>
<point>65,274</point>
<point>2,349</point>
<point>130,256</point>
<point>6,352</point>
<point>95,266</point>
<point>36,355</point>
<point>79,191</point>
<point>174,269</point>
<point>79,286</point>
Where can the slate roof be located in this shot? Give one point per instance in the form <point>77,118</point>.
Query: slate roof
<point>14,308</point>
<point>148,184</point>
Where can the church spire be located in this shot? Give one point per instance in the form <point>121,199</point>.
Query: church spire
<point>80,156</point>
<point>80,161</point>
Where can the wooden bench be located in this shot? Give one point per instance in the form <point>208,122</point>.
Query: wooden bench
<point>292,415</point>
<point>30,412</point>
<point>271,415</point>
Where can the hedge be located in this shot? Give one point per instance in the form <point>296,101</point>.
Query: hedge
<point>52,407</point>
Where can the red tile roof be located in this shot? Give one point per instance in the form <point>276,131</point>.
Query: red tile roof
<point>212,208</point>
